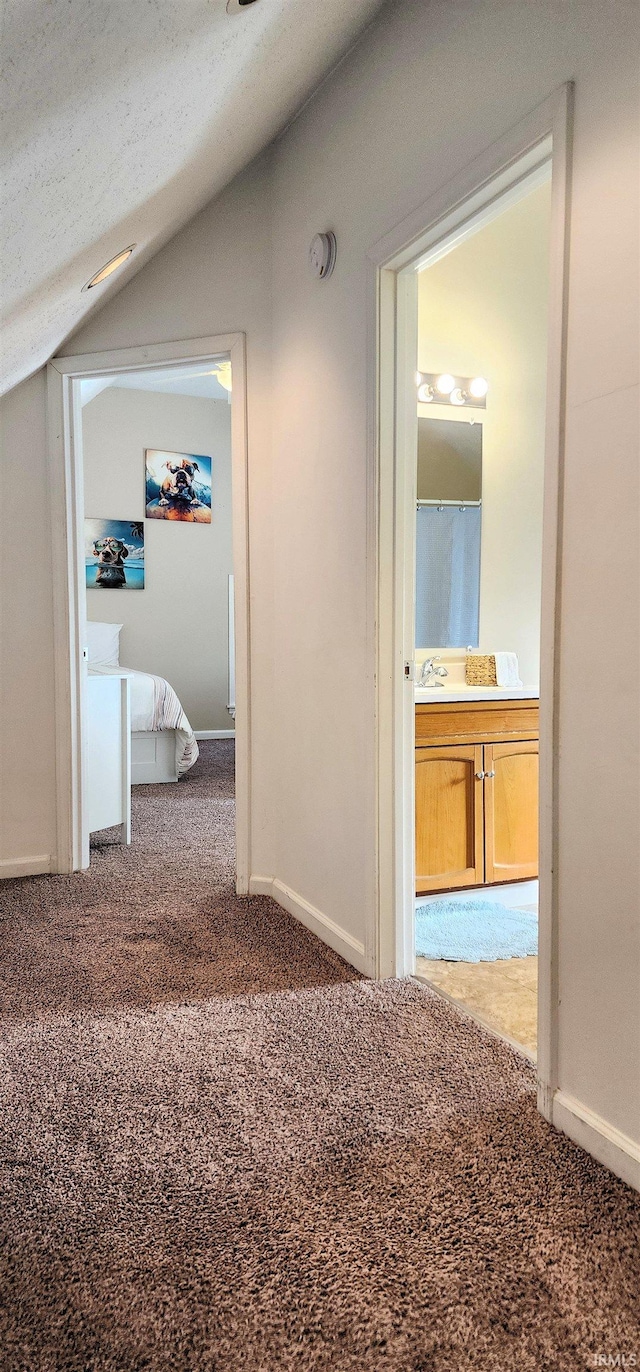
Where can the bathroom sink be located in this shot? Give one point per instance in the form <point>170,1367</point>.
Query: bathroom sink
<point>459,691</point>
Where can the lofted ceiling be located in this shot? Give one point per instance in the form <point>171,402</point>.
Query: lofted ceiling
<point>190,380</point>
<point>123,118</point>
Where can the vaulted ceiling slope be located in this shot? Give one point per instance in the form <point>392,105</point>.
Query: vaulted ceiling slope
<point>123,118</point>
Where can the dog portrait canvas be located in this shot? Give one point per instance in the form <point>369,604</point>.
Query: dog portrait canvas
<point>114,554</point>
<point>178,486</point>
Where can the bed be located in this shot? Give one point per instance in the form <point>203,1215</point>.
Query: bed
<point>163,744</point>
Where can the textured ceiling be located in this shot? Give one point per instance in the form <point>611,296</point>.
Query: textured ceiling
<point>123,117</point>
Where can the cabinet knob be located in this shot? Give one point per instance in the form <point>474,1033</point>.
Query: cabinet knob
<point>479,776</point>
<point>489,774</point>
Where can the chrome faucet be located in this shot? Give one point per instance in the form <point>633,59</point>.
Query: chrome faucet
<point>430,674</point>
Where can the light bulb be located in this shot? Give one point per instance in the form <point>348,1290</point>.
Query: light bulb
<point>445,384</point>
<point>478,388</point>
<point>425,395</point>
<point>456,397</point>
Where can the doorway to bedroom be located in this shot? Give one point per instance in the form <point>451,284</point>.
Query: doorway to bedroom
<point>156,449</point>
<point>152,625</point>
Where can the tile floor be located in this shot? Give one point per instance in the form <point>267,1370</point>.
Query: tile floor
<point>503,994</point>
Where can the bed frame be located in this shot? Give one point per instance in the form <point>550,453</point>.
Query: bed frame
<point>153,757</point>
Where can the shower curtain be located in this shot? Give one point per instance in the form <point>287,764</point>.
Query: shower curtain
<point>447,576</point>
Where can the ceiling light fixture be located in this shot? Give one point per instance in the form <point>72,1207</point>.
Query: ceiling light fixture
<point>109,268</point>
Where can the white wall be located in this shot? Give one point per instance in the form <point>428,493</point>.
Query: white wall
<point>27,756</point>
<point>214,277</point>
<point>177,627</point>
<point>429,88</point>
<point>482,311</point>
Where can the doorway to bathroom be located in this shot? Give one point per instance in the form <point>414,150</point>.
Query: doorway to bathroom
<point>484,608</point>
<point>480,386</point>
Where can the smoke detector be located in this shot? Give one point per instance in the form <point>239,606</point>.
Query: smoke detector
<point>322,254</point>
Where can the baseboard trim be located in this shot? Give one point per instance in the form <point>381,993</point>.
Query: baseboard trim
<point>215,733</point>
<point>325,929</point>
<point>26,867</point>
<point>613,1149</point>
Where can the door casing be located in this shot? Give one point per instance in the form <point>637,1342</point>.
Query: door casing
<point>484,188</point>
<point>64,443</point>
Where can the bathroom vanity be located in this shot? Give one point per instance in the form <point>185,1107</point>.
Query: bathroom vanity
<point>476,767</point>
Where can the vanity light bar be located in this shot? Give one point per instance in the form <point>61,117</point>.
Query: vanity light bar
<point>445,389</point>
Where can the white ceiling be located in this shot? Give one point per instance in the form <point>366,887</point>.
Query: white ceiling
<point>192,381</point>
<point>123,119</point>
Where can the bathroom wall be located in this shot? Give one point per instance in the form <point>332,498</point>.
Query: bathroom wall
<point>482,311</point>
<point>177,627</point>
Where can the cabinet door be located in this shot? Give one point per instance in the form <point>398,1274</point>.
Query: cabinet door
<point>449,825</point>
<point>511,810</point>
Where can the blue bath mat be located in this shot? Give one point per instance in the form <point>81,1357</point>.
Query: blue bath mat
<point>474,931</point>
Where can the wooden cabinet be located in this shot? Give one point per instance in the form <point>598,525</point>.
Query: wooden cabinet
<point>476,794</point>
<point>510,811</point>
<point>449,834</point>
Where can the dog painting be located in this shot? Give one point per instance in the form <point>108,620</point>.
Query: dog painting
<point>178,486</point>
<point>114,554</point>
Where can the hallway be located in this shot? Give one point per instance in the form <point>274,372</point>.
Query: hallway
<point>223,1149</point>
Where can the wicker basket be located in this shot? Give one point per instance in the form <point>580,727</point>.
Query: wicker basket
<point>480,671</point>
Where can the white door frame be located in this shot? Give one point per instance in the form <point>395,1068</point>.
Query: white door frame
<point>64,441</point>
<point>451,213</point>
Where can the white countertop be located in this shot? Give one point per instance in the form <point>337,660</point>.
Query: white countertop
<point>444,695</point>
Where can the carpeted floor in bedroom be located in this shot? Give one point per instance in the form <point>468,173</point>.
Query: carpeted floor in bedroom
<point>223,1150</point>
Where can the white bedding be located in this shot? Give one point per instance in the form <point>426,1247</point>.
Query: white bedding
<point>155,706</point>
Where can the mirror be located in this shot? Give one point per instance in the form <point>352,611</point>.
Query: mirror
<point>448,531</point>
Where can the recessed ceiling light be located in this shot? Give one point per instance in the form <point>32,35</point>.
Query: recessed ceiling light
<point>109,268</point>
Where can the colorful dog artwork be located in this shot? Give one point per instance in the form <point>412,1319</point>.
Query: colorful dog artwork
<point>114,554</point>
<point>178,486</point>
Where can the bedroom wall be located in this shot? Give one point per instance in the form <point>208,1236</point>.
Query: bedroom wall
<point>177,627</point>
<point>482,311</point>
<point>430,86</point>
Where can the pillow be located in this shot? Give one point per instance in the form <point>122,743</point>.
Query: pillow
<point>103,644</point>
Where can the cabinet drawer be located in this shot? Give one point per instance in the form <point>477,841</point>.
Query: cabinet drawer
<point>482,721</point>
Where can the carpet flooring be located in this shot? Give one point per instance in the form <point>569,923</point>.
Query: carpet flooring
<point>224,1150</point>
